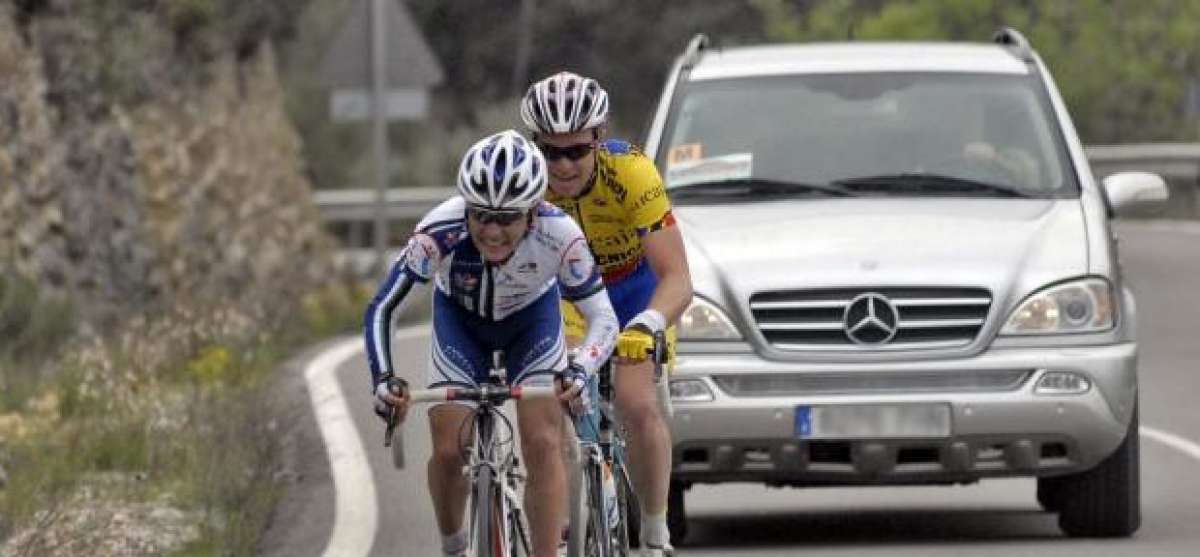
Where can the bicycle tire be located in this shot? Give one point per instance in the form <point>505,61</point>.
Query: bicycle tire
<point>577,513</point>
<point>599,535</point>
<point>630,530</point>
<point>483,514</point>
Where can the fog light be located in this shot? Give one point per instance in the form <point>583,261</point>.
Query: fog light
<point>1062,383</point>
<point>690,390</point>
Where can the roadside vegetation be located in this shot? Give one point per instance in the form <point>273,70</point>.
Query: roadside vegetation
<point>167,425</point>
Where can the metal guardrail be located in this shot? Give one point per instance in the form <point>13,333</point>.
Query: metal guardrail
<point>359,204</point>
<point>1172,161</point>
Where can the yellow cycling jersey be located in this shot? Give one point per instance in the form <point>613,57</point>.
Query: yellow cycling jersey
<point>626,201</point>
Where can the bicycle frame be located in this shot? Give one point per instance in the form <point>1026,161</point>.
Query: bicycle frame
<point>600,443</point>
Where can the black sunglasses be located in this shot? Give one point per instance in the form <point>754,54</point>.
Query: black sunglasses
<point>573,152</point>
<point>502,217</point>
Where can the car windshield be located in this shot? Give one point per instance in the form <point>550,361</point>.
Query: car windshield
<point>910,134</point>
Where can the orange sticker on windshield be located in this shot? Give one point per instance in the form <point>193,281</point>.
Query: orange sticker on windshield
<point>684,153</point>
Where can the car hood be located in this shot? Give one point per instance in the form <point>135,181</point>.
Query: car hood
<point>1009,246</point>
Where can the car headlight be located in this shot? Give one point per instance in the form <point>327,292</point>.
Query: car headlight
<point>702,320</point>
<point>1080,306</point>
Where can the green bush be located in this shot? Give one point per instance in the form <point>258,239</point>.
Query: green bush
<point>33,327</point>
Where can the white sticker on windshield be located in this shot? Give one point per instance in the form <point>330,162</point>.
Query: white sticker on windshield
<point>715,169</point>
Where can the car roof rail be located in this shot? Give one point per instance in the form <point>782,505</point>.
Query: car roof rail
<point>1015,42</point>
<point>695,47</point>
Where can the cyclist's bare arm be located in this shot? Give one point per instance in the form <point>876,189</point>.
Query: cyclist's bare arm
<point>665,253</point>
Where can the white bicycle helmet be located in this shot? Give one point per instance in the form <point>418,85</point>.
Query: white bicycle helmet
<point>503,171</point>
<point>564,103</point>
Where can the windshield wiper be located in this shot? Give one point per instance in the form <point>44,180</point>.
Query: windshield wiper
<point>756,186</point>
<point>920,182</point>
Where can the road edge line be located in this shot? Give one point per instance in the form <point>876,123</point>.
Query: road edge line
<point>1177,442</point>
<point>356,507</point>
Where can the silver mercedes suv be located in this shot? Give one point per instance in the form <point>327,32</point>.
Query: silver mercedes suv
<point>904,273</point>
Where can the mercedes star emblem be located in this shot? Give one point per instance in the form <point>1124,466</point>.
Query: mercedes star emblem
<point>871,319</point>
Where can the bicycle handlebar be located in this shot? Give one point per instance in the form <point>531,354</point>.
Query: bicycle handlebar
<point>492,393</point>
<point>496,395</point>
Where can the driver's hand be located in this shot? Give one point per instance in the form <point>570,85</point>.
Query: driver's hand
<point>570,385</point>
<point>634,343</point>
<point>392,395</point>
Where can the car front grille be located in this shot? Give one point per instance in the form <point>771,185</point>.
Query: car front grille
<point>919,318</point>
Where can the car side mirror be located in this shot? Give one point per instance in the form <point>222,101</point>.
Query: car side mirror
<point>1129,190</point>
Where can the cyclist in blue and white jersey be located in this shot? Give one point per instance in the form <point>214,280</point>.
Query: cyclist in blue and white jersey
<point>501,259</point>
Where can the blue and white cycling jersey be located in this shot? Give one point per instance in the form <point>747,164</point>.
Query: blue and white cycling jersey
<point>552,257</point>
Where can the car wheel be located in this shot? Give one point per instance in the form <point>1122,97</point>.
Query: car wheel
<point>676,514</point>
<point>1106,500</point>
<point>1049,494</point>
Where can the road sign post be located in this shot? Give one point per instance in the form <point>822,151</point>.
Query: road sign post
<point>379,68</point>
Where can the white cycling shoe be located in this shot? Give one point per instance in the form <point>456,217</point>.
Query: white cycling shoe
<point>657,551</point>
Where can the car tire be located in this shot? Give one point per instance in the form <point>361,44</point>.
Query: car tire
<point>1106,500</point>
<point>676,514</point>
<point>1049,494</point>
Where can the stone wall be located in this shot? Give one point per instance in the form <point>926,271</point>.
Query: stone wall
<point>167,182</point>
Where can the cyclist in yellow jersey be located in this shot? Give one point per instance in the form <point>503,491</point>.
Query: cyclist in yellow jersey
<point>617,197</point>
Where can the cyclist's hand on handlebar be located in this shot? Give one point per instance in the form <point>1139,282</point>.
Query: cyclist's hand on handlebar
<point>391,394</point>
<point>571,384</point>
<point>635,343</point>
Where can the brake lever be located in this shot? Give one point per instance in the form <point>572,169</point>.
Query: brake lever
<point>659,354</point>
<point>392,419</point>
<point>395,387</point>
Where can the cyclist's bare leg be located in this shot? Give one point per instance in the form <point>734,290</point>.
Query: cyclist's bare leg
<point>541,425</point>
<point>447,486</point>
<point>649,440</point>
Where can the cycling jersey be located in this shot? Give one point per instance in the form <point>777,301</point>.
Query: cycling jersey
<point>551,258</point>
<point>625,201</point>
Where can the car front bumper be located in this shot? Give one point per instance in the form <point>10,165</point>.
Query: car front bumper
<point>748,431</point>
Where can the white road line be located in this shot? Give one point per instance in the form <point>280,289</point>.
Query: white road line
<point>356,507</point>
<point>1169,439</point>
<point>1175,226</point>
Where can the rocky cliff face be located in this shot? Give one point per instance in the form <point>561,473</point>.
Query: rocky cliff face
<point>128,179</point>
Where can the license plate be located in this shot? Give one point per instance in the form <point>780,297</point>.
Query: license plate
<point>873,421</point>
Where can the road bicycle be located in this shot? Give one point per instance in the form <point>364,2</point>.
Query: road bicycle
<point>604,525</point>
<point>497,523</point>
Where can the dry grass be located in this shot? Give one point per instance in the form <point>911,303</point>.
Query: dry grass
<point>189,429</point>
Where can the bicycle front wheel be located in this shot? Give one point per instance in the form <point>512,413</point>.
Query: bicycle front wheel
<point>486,518</point>
<point>577,512</point>
<point>599,534</point>
<point>628,532</point>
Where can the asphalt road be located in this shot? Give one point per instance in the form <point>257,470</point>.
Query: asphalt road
<point>995,517</point>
